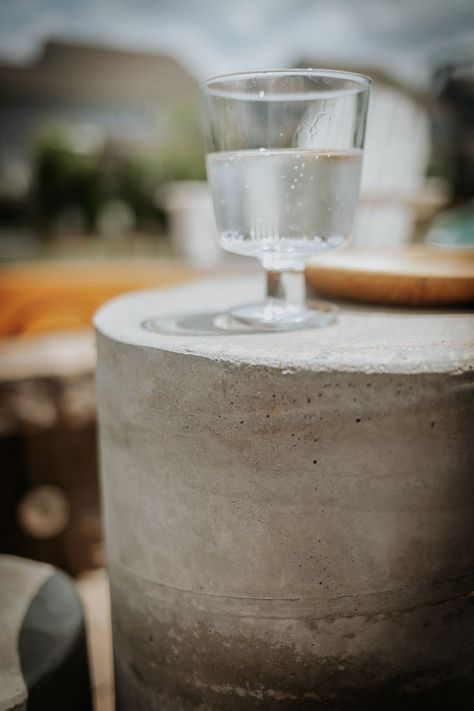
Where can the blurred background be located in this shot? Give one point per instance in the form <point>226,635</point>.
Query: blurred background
<point>102,190</point>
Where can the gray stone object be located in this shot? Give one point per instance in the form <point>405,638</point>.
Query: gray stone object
<point>43,652</point>
<point>289,516</point>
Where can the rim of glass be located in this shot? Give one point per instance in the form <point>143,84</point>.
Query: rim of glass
<point>361,83</point>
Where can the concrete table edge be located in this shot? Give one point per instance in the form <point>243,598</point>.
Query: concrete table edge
<point>397,341</point>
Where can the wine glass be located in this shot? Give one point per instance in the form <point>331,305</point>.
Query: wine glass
<point>284,157</point>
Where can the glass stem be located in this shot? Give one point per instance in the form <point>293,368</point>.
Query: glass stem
<point>286,289</point>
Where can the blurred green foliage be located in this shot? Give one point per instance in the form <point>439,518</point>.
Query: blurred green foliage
<point>64,177</point>
<point>181,154</point>
<point>70,173</point>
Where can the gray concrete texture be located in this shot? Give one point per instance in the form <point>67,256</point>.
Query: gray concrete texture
<point>43,656</point>
<point>20,582</point>
<point>289,516</point>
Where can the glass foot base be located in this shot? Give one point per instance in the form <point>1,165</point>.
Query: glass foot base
<point>273,317</point>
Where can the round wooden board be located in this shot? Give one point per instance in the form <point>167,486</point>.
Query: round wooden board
<point>414,275</point>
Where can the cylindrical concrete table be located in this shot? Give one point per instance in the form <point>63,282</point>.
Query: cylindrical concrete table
<point>289,516</point>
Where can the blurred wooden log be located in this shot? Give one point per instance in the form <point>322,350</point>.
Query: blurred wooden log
<point>48,441</point>
<point>48,403</point>
<point>43,512</point>
<point>45,380</point>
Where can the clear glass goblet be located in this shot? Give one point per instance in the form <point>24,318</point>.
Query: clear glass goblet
<point>284,157</point>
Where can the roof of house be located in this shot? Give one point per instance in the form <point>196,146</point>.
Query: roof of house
<point>75,72</point>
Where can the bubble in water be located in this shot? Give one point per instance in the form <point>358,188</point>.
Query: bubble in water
<point>294,213</point>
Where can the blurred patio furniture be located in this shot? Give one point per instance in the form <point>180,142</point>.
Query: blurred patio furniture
<point>43,652</point>
<point>191,222</point>
<point>395,192</point>
<point>49,498</point>
<point>188,204</point>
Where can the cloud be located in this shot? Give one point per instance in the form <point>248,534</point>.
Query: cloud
<point>213,36</point>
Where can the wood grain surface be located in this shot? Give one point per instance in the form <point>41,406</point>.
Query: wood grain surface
<point>412,275</point>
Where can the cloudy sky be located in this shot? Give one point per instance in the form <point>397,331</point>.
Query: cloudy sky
<point>406,37</point>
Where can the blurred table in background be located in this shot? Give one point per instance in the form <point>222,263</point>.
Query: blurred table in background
<point>53,296</point>
<point>49,497</point>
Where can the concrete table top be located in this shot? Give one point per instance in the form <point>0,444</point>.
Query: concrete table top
<point>365,339</point>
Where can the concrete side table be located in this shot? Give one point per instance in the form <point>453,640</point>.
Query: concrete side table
<point>289,516</point>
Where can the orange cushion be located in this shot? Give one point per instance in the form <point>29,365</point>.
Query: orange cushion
<point>55,296</point>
